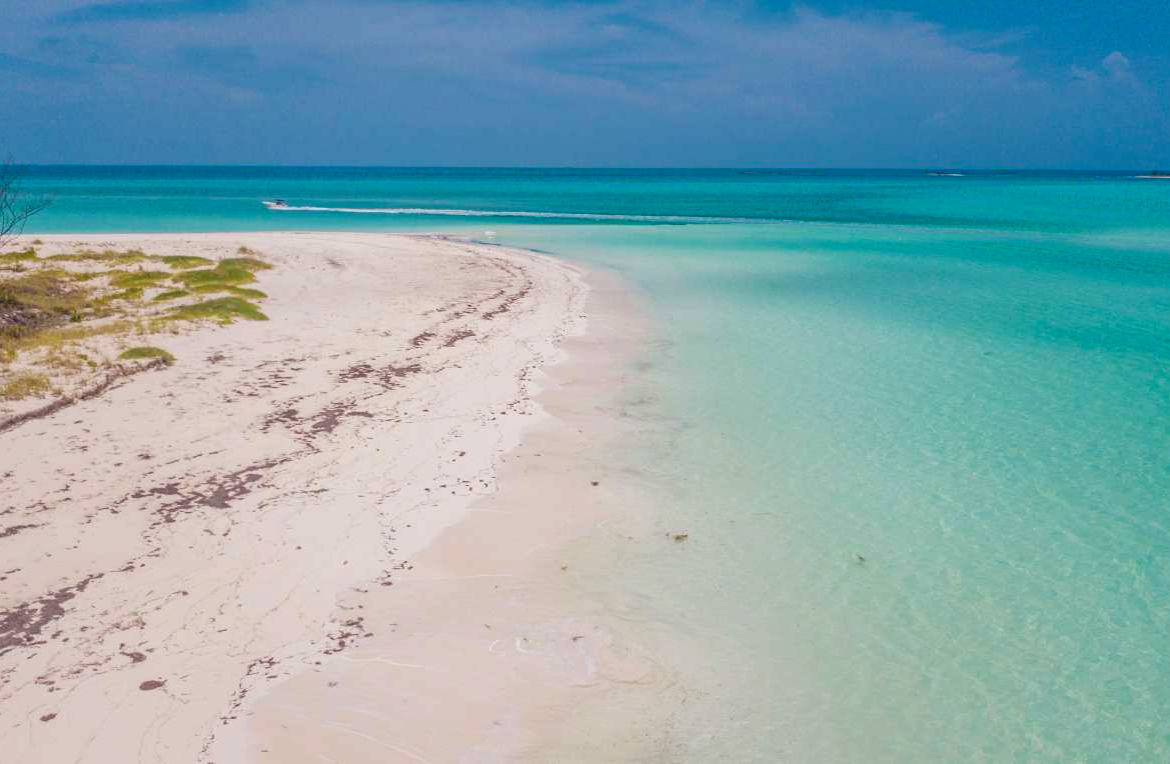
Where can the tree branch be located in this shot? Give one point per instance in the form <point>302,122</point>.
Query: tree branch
<point>16,204</point>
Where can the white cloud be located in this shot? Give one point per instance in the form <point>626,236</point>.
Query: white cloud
<point>1117,66</point>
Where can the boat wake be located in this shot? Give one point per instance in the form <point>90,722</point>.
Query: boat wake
<point>675,219</point>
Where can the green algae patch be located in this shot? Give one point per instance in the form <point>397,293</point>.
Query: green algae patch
<point>223,309</point>
<point>146,353</point>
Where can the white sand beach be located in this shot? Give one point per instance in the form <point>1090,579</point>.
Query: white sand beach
<point>329,536</point>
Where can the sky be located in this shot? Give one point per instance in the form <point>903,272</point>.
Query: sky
<point>1077,84</point>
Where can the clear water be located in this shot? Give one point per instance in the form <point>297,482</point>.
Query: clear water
<point>923,442</point>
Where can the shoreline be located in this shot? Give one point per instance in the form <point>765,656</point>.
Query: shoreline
<point>123,642</point>
<point>496,646</point>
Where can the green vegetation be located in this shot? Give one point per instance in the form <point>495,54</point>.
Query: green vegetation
<point>226,276</point>
<point>67,360</point>
<point>186,262</point>
<point>244,263</point>
<point>220,275</point>
<point>109,256</point>
<point>129,295</point>
<point>136,279</point>
<point>223,310</point>
<point>20,256</point>
<point>86,275</point>
<point>53,340</point>
<point>49,293</point>
<point>146,352</point>
<point>56,310</point>
<point>246,293</point>
<point>24,385</point>
<point>57,337</point>
<point>170,294</point>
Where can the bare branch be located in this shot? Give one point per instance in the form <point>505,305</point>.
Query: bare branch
<point>16,204</point>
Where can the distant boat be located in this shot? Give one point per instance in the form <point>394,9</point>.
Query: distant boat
<point>276,204</point>
<point>945,174</point>
<point>1155,175</point>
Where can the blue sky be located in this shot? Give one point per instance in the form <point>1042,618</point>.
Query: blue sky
<point>899,83</point>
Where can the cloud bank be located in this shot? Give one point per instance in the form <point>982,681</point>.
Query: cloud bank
<point>585,83</point>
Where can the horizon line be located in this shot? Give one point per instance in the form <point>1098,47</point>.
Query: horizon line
<point>784,168</point>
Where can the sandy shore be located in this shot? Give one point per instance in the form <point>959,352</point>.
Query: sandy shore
<point>332,536</point>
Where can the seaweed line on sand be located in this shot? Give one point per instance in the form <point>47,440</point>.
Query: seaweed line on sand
<point>113,377</point>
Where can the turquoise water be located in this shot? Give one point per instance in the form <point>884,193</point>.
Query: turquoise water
<point>921,442</point>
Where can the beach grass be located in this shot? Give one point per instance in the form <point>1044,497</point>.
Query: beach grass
<point>48,292</point>
<point>136,279</point>
<point>58,337</point>
<point>185,262</point>
<point>25,385</point>
<point>65,316</point>
<point>146,352</point>
<point>245,263</point>
<point>63,359</point>
<point>19,256</point>
<point>132,294</point>
<point>244,292</point>
<point>111,256</point>
<point>219,275</point>
<point>171,294</point>
<point>223,310</point>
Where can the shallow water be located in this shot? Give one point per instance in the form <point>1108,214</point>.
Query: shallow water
<point>919,437</point>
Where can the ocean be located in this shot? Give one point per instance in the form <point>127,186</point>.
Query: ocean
<point>918,434</point>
